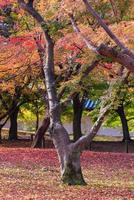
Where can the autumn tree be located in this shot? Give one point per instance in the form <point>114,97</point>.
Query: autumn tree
<point>69,153</point>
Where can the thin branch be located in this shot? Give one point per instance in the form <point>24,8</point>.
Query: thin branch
<point>132,118</point>
<point>115,10</point>
<point>84,75</point>
<point>3,116</point>
<point>89,69</point>
<point>77,30</point>
<point>3,124</point>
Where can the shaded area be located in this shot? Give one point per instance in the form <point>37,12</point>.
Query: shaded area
<point>101,144</point>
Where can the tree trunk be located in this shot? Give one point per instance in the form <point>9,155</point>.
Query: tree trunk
<point>37,119</point>
<point>38,141</point>
<point>0,134</point>
<point>71,173</point>
<point>121,113</point>
<point>77,115</point>
<point>13,125</point>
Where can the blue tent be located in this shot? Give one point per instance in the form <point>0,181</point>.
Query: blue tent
<point>90,104</point>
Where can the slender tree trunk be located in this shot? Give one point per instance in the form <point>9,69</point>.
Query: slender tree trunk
<point>37,119</point>
<point>77,115</point>
<point>13,125</point>
<point>39,140</point>
<point>121,113</point>
<point>0,134</point>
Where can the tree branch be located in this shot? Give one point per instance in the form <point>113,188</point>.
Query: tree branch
<point>4,102</point>
<point>119,57</point>
<point>132,118</point>
<point>30,3</point>
<point>107,29</point>
<point>77,30</point>
<point>116,56</point>
<point>84,141</point>
<point>35,15</point>
<point>80,144</point>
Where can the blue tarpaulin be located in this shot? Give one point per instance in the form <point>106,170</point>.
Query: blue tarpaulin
<point>90,104</point>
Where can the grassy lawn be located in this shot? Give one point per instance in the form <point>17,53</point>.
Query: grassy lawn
<point>29,174</point>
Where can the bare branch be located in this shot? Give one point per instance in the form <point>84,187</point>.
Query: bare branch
<point>77,30</point>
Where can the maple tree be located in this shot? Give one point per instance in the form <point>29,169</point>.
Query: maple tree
<point>69,154</point>
<point>51,27</point>
<point>17,79</point>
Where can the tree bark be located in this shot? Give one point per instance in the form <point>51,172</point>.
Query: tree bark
<point>125,129</point>
<point>0,134</point>
<point>71,172</point>
<point>39,140</point>
<point>37,118</point>
<point>13,125</point>
<point>77,115</point>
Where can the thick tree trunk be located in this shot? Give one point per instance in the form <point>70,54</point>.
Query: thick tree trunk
<point>121,113</point>
<point>71,172</point>
<point>13,125</point>
<point>39,140</point>
<point>77,115</point>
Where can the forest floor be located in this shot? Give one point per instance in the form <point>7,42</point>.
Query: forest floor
<point>33,174</point>
<point>100,144</point>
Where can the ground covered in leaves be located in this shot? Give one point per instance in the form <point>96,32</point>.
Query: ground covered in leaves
<point>29,174</point>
